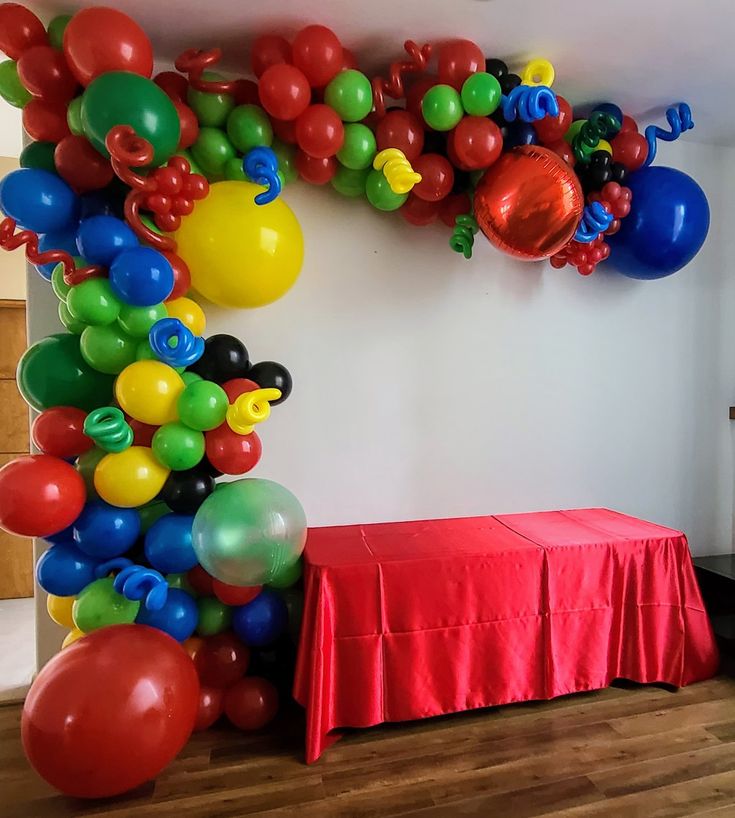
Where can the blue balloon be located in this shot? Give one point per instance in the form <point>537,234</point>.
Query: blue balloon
<point>262,620</point>
<point>102,238</point>
<point>666,226</point>
<point>61,240</point>
<point>66,535</point>
<point>64,570</point>
<point>104,531</point>
<point>178,617</point>
<point>141,276</point>
<point>610,108</point>
<point>38,200</point>
<point>168,545</point>
<point>520,133</point>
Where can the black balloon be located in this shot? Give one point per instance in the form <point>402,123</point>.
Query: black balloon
<point>496,67</point>
<point>509,82</point>
<point>225,358</point>
<point>184,491</point>
<point>269,374</point>
<point>619,173</point>
<point>207,468</point>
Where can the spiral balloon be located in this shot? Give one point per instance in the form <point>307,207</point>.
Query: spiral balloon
<point>679,118</point>
<point>251,408</point>
<point>261,166</point>
<point>463,236</point>
<point>397,170</point>
<point>596,218</point>
<point>530,103</point>
<point>109,429</point>
<point>139,583</point>
<point>174,343</point>
<point>599,126</point>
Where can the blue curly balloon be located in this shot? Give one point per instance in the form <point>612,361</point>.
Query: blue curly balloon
<point>139,583</point>
<point>261,166</point>
<point>679,118</point>
<point>596,218</point>
<point>188,349</point>
<point>530,103</point>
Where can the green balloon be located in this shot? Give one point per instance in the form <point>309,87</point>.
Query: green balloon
<point>93,302</point>
<point>380,195</point>
<point>144,352</point>
<point>211,151</point>
<point>177,446</point>
<point>123,98</point>
<point>481,94</point>
<point>69,321</point>
<point>350,182</point>
<point>211,110</point>
<point>99,605</point>
<point>52,372</point>
<point>234,170</point>
<point>350,94</point>
<point>442,107</point>
<point>288,575</point>
<point>574,129</point>
<point>286,155</point>
<point>248,127</point>
<point>203,405</point>
<point>181,582</point>
<point>190,377</point>
<point>359,148</point>
<point>74,116</point>
<point>11,88</point>
<point>107,348</point>
<point>58,285</point>
<point>39,155</point>
<point>86,464</point>
<point>214,616</point>
<point>137,321</point>
<point>152,512</point>
<point>56,30</point>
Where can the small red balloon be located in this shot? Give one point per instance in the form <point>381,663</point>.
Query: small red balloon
<point>284,91</point>
<point>348,60</point>
<point>437,177</point>
<point>230,452</point>
<point>562,148</point>
<point>552,128</point>
<point>457,60</point>
<point>457,204</point>
<point>222,660</point>
<point>175,85</point>
<point>628,124</point>
<point>418,211</point>
<point>246,92</point>
<point>189,124</point>
<point>20,29</point>
<point>319,131</point>
<point>238,386</point>
<point>45,120</point>
<point>142,432</point>
<point>59,431</point>
<point>315,171</point>
<point>630,148</point>
<point>44,73</point>
<point>81,166</point>
<point>200,581</point>
<point>182,276</point>
<point>285,130</point>
<point>402,130</point>
<point>251,703</point>
<point>235,594</point>
<point>317,51</point>
<point>268,50</point>
<point>211,707</point>
<point>415,94</point>
<point>477,141</point>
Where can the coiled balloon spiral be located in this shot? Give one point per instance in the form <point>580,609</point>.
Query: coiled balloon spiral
<point>109,429</point>
<point>463,235</point>
<point>142,584</point>
<point>251,408</point>
<point>530,103</point>
<point>599,126</point>
<point>596,218</point>
<point>261,166</point>
<point>397,170</point>
<point>679,118</point>
<point>194,61</point>
<point>393,86</point>
<point>174,343</point>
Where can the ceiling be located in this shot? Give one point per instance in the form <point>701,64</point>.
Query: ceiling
<point>642,54</point>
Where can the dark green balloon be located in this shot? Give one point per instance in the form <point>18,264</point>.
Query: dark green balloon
<point>52,372</point>
<point>11,88</point>
<point>123,98</point>
<point>350,182</point>
<point>214,616</point>
<point>56,30</point>
<point>234,171</point>
<point>211,110</point>
<point>248,127</point>
<point>107,348</point>
<point>152,512</point>
<point>39,155</point>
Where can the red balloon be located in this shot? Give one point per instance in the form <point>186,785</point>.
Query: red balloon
<point>235,594</point>
<point>19,29</point>
<point>230,452</point>
<point>348,60</point>
<point>192,646</point>
<point>552,128</point>
<point>222,660</point>
<point>268,50</point>
<point>101,39</point>
<point>457,60</point>
<point>39,495</point>
<point>630,148</point>
<point>437,177</point>
<point>477,141</point>
<point>81,166</point>
<point>628,124</point>
<point>529,203</point>
<point>142,432</point>
<point>562,148</point>
<point>284,91</point>
<point>59,431</point>
<point>285,130</point>
<point>45,120</point>
<point>415,94</point>
<point>419,211</point>
<point>251,703</point>
<point>189,124</point>
<point>457,204</point>
<point>317,51</point>
<point>200,581</point>
<point>44,73</point>
<point>174,84</point>
<point>211,707</point>
<point>246,92</point>
<point>319,131</point>
<point>110,711</point>
<point>315,171</point>
<point>402,130</point>
<point>237,387</point>
<point>182,276</point>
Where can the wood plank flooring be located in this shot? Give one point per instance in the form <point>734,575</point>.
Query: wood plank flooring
<point>633,752</point>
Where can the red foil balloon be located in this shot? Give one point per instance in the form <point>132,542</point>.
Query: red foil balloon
<point>44,73</point>
<point>317,51</point>
<point>222,660</point>
<point>315,171</point>
<point>437,177</point>
<point>45,120</point>
<point>80,165</point>
<point>402,130</point>
<point>268,50</point>
<point>419,212</point>
<point>457,204</point>
<point>230,452</point>
<point>477,142</point>
<point>20,29</point>
<point>457,60</point>
<point>211,707</point>
<point>529,203</point>
<point>235,594</point>
<point>552,128</point>
<point>319,131</point>
<point>110,711</point>
<point>59,431</point>
<point>284,91</point>
<point>630,148</point>
<point>251,703</point>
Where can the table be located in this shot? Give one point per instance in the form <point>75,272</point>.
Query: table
<point>415,619</point>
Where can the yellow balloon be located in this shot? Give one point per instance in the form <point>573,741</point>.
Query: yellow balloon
<point>604,145</point>
<point>189,313</point>
<point>59,609</point>
<point>129,478</point>
<point>148,391</point>
<point>240,254</point>
<point>71,637</point>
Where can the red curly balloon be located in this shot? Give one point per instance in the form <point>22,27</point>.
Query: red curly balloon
<point>393,86</point>
<point>194,61</point>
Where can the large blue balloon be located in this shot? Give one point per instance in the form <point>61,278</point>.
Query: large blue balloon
<point>666,226</point>
<point>141,276</point>
<point>61,240</point>
<point>168,545</point>
<point>104,531</point>
<point>261,621</point>
<point>102,238</point>
<point>38,200</point>
<point>64,570</point>
<point>178,617</point>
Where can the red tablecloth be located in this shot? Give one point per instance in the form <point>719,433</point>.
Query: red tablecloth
<point>415,619</point>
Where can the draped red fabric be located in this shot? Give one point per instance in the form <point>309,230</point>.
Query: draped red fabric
<point>415,619</point>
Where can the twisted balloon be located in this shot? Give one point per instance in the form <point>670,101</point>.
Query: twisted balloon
<point>139,583</point>
<point>397,170</point>
<point>174,343</point>
<point>679,118</point>
<point>109,429</point>
<point>194,61</point>
<point>596,218</point>
<point>463,235</point>
<point>599,126</point>
<point>393,86</point>
<point>261,165</point>
<point>251,408</point>
<point>530,103</point>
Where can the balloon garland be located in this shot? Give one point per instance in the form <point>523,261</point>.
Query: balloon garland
<point>135,191</point>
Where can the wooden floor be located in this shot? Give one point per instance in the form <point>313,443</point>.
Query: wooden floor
<point>641,751</point>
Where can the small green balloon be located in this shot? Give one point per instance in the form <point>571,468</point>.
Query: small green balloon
<point>248,127</point>
<point>574,129</point>
<point>286,155</point>
<point>442,107</point>
<point>359,148</point>
<point>203,405</point>
<point>69,321</point>
<point>74,116</point>
<point>181,582</point>
<point>190,377</point>
<point>107,348</point>
<point>11,88</point>
<point>85,465</point>
<point>56,30</point>
<point>58,285</point>
<point>178,447</point>
<point>481,94</point>
<point>350,182</point>
<point>152,512</point>
<point>211,150</point>
<point>287,575</point>
<point>234,171</point>
<point>380,195</point>
<point>211,110</point>
<point>99,605</point>
<point>39,155</point>
<point>214,616</point>
<point>93,302</point>
<point>137,321</point>
<point>350,94</point>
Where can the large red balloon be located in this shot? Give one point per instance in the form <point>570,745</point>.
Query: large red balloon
<point>222,660</point>
<point>477,142</point>
<point>101,39</point>
<point>552,128</point>
<point>44,120</point>
<point>39,495</point>
<point>402,130</point>
<point>251,703</point>
<point>81,166</point>
<point>44,73</point>
<point>268,50</point>
<point>284,91</point>
<point>230,452</point>
<point>20,29</point>
<point>110,711</point>
<point>211,707</point>
<point>437,177</point>
<point>457,60</point>
<point>59,431</point>
<point>319,131</point>
<point>529,203</point>
<point>317,51</point>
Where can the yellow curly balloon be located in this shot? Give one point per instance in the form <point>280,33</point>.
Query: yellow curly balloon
<point>59,609</point>
<point>129,478</point>
<point>148,391</point>
<point>240,254</point>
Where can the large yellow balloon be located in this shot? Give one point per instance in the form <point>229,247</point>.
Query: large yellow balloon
<point>129,478</point>
<point>240,254</point>
<point>59,609</point>
<point>148,391</point>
